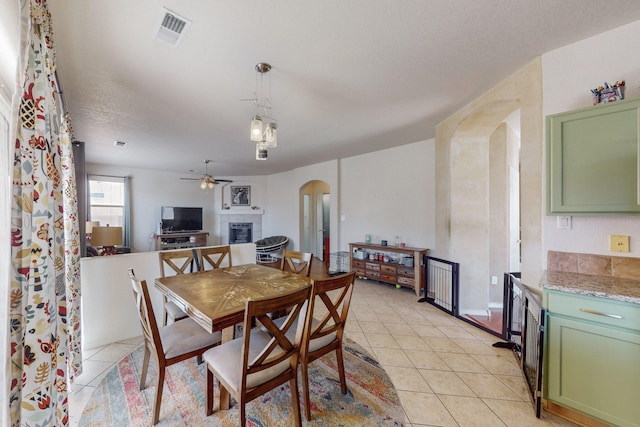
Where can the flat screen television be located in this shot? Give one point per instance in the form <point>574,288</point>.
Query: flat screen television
<point>181,219</point>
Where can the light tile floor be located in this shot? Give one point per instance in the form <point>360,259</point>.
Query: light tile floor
<point>445,371</point>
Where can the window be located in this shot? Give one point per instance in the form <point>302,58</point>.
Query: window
<point>108,202</point>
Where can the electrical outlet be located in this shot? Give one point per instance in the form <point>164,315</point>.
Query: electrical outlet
<point>494,280</point>
<point>618,243</point>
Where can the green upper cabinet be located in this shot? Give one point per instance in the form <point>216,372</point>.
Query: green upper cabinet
<point>592,160</point>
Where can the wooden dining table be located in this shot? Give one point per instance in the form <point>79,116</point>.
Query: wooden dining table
<point>216,299</point>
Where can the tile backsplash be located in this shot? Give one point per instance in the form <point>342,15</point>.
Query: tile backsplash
<point>594,265</point>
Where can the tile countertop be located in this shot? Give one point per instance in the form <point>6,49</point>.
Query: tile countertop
<point>627,290</point>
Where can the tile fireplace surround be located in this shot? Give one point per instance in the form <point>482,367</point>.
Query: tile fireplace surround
<point>229,216</point>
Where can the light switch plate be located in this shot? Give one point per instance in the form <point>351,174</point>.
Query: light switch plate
<point>618,243</point>
<point>564,223</point>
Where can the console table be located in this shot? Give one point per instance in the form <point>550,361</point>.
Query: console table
<point>395,270</point>
<point>181,240</point>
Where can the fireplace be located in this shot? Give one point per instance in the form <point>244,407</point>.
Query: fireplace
<point>240,232</point>
<point>230,216</point>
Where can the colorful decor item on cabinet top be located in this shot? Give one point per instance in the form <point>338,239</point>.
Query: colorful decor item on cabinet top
<point>608,93</point>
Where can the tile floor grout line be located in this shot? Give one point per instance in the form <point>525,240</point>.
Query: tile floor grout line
<point>374,298</point>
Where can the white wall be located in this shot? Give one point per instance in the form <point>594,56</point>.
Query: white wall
<point>152,189</point>
<point>282,212</point>
<point>389,193</point>
<point>385,193</point>
<point>108,308</point>
<point>569,75</point>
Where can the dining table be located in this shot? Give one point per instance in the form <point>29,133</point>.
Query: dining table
<point>216,299</point>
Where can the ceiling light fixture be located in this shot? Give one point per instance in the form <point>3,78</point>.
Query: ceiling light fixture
<point>207,180</point>
<point>264,129</point>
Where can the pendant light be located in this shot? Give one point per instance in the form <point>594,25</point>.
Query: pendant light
<point>264,129</point>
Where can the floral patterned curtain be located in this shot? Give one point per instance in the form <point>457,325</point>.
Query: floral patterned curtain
<point>44,288</point>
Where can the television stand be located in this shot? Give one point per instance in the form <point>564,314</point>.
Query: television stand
<point>181,240</point>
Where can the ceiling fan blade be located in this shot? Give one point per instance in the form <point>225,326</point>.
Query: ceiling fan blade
<point>192,179</point>
<point>217,181</point>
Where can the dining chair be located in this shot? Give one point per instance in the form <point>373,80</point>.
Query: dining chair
<point>331,299</point>
<point>214,257</point>
<point>263,358</point>
<point>180,262</point>
<point>297,262</point>
<point>168,344</point>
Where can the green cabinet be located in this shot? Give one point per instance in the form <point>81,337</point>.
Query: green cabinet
<point>592,362</point>
<point>592,160</point>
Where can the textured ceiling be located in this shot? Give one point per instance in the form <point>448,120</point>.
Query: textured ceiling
<point>348,77</point>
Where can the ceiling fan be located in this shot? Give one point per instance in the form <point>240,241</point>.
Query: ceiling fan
<point>207,180</point>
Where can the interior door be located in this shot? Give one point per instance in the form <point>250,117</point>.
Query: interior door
<point>307,235</point>
<point>514,219</point>
<point>319,224</point>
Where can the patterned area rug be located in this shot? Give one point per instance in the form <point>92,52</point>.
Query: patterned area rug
<point>371,399</point>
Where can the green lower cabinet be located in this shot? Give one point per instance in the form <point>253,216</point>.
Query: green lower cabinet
<point>593,369</point>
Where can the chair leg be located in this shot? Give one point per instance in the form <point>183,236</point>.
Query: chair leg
<point>295,399</point>
<point>145,367</point>
<point>304,369</point>
<point>243,414</point>
<point>343,380</point>
<point>158,399</point>
<point>165,315</point>
<point>224,397</point>
<point>209,396</point>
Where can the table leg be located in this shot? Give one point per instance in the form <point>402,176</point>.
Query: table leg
<point>227,334</point>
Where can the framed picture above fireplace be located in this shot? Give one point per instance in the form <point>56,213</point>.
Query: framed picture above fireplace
<point>240,195</point>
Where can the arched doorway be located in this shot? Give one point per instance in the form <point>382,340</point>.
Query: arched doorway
<point>485,190</point>
<point>315,221</point>
<point>463,220</point>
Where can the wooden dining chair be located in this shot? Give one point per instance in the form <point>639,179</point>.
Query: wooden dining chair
<point>325,328</point>
<point>168,344</point>
<point>263,358</point>
<point>297,262</point>
<point>179,262</point>
<point>214,257</point>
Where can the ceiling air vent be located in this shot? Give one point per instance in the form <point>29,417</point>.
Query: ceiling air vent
<point>171,27</point>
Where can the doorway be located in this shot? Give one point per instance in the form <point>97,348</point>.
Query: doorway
<point>315,219</point>
<point>462,209</point>
<point>502,195</point>
<point>495,218</point>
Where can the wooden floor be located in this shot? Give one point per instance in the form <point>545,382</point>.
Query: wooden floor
<point>493,321</point>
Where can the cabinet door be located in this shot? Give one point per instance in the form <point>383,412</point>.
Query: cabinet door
<point>592,159</point>
<point>594,370</point>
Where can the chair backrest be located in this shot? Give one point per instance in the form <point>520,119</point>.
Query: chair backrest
<point>214,256</point>
<point>180,261</point>
<point>267,351</point>
<point>145,314</point>
<point>298,262</point>
<point>331,300</point>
